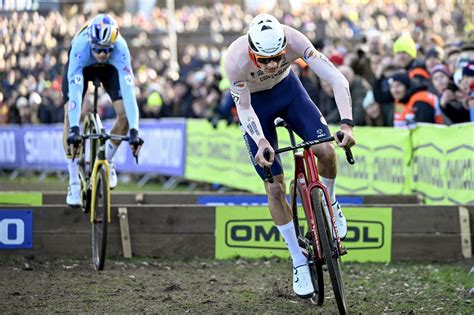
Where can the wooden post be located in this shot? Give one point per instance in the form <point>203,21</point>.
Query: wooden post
<point>464,227</point>
<point>125,232</point>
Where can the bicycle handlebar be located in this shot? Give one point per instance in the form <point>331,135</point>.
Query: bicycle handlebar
<point>349,156</point>
<point>106,136</point>
<point>305,145</point>
<point>266,169</point>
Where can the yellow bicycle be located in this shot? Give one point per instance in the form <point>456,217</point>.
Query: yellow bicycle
<point>94,171</point>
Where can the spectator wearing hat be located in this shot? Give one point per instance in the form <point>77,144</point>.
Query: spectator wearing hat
<point>447,92</point>
<point>433,57</point>
<point>372,110</point>
<point>404,49</point>
<point>413,103</point>
<point>452,58</point>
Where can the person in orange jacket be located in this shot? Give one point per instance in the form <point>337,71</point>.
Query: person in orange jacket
<point>413,103</point>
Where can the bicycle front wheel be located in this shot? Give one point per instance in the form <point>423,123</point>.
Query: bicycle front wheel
<point>330,251</point>
<point>99,224</point>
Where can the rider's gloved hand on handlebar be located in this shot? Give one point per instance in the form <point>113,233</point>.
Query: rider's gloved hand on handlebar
<point>348,140</point>
<point>74,138</point>
<point>135,141</point>
<point>259,158</point>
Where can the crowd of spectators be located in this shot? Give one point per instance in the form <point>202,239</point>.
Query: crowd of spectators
<point>427,65</point>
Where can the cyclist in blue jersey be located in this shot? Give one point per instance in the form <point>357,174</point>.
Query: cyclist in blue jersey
<point>98,51</point>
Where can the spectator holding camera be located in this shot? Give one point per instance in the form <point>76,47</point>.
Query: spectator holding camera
<point>448,93</point>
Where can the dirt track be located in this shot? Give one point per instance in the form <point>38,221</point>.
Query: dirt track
<point>204,286</point>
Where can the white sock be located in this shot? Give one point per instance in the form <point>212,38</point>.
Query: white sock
<point>110,150</point>
<point>289,235</point>
<point>329,183</point>
<point>73,169</point>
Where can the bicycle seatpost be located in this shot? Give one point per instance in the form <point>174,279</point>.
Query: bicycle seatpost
<point>279,122</point>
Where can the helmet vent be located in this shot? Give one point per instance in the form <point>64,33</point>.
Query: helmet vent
<point>265,27</point>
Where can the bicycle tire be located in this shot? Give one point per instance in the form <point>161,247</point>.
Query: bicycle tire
<point>99,224</point>
<point>316,268</point>
<point>328,246</point>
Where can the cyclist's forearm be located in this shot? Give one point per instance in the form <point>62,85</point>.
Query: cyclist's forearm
<point>250,122</point>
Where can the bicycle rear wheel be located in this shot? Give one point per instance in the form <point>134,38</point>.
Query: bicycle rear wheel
<point>99,224</point>
<point>305,241</point>
<point>330,251</point>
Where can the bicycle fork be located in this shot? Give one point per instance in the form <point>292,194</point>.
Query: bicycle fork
<point>99,163</point>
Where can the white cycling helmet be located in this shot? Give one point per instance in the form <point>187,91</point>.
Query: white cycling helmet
<point>103,31</point>
<point>266,36</point>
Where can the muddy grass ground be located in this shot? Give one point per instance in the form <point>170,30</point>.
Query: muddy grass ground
<point>146,285</point>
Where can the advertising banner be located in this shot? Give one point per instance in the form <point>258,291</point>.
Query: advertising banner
<point>163,151</point>
<point>9,147</point>
<point>40,147</point>
<point>21,198</point>
<point>250,232</point>
<point>220,156</point>
<point>258,200</point>
<point>381,163</point>
<point>16,229</point>
<point>443,163</point>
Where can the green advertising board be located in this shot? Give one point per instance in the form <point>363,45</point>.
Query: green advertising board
<point>442,165</point>
<point>382,162</point>
<point>18,198</point>
<point>250,232</point>
<point>435,161</point>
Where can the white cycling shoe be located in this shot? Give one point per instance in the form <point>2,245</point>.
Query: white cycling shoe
<point>302,284</point>
<point>74,198</point>
<point>341,222</point>
<point>113,176</point>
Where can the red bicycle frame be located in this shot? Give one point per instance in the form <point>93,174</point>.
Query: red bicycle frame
<point>307,179</point>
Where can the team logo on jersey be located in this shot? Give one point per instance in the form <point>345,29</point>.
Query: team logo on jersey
<point>235,97</point>
<point>72,105</point>
<point>239,85</point>
<point>252,127</point>
<point>78,79</point>
<point>128,80</point>
<point>309,54</point>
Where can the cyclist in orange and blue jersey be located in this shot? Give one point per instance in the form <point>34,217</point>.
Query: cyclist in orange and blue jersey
<point>98,51</point>
<point>263,88</point>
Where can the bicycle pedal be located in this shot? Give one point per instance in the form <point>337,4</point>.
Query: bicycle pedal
<point>344,251</point>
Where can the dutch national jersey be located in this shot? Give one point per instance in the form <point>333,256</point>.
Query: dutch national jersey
<point>246,77</point>
<point>80,57</point>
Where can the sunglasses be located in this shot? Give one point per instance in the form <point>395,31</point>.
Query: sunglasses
<point>267,60</point>
<point>106,50</point>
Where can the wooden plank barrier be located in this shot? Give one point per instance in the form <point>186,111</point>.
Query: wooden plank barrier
<point>424,233</point>
<point>50,198</point>
<point>184,231</point>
